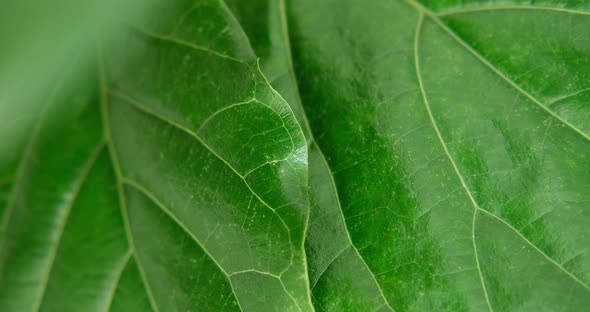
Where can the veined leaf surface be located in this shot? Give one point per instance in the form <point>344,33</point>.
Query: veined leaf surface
<point>339,277</point>
<point>175,181</point>
<point>458,140</point>
<point>418,156</point>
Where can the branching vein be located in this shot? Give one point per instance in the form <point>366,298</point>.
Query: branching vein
<point>316,145</point>
<point>446,150</point>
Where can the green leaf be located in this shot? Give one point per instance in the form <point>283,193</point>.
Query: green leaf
<point>339,277</point>
<point>176,180</point>
<point>415,156</point>
<point>61,204</point>
<point>458,140</point>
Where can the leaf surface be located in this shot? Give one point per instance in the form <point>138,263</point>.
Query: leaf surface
<point>415,156</point>
<point>458,142</point>
<point>175,181</point>
<point>339,277</point>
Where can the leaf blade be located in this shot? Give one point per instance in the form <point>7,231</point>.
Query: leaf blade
<point>364,107</point>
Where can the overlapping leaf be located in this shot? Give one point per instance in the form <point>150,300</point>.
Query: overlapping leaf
<point>447,145</point>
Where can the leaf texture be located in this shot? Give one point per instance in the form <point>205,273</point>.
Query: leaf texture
<point>176,180</point>
<point>415,156</point>
<point>339,277</point>
<point>59,200</point>
<point>458,144</point>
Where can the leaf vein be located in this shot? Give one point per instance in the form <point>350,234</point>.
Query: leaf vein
<point>221,110</point>
<point>519,234</point>
<point>424,11</point>
<point>140,107</point>
<point>173,217</point>
<point>446,150</point>
<point>79,182</point>
<point>491,8</point>
<point>116,167</point>
<point>117,280</point>
<point>27,154</point>
<point>338,254</point>
<point>420,8</point>
<point>314,142</point>
<point>183,43</point>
